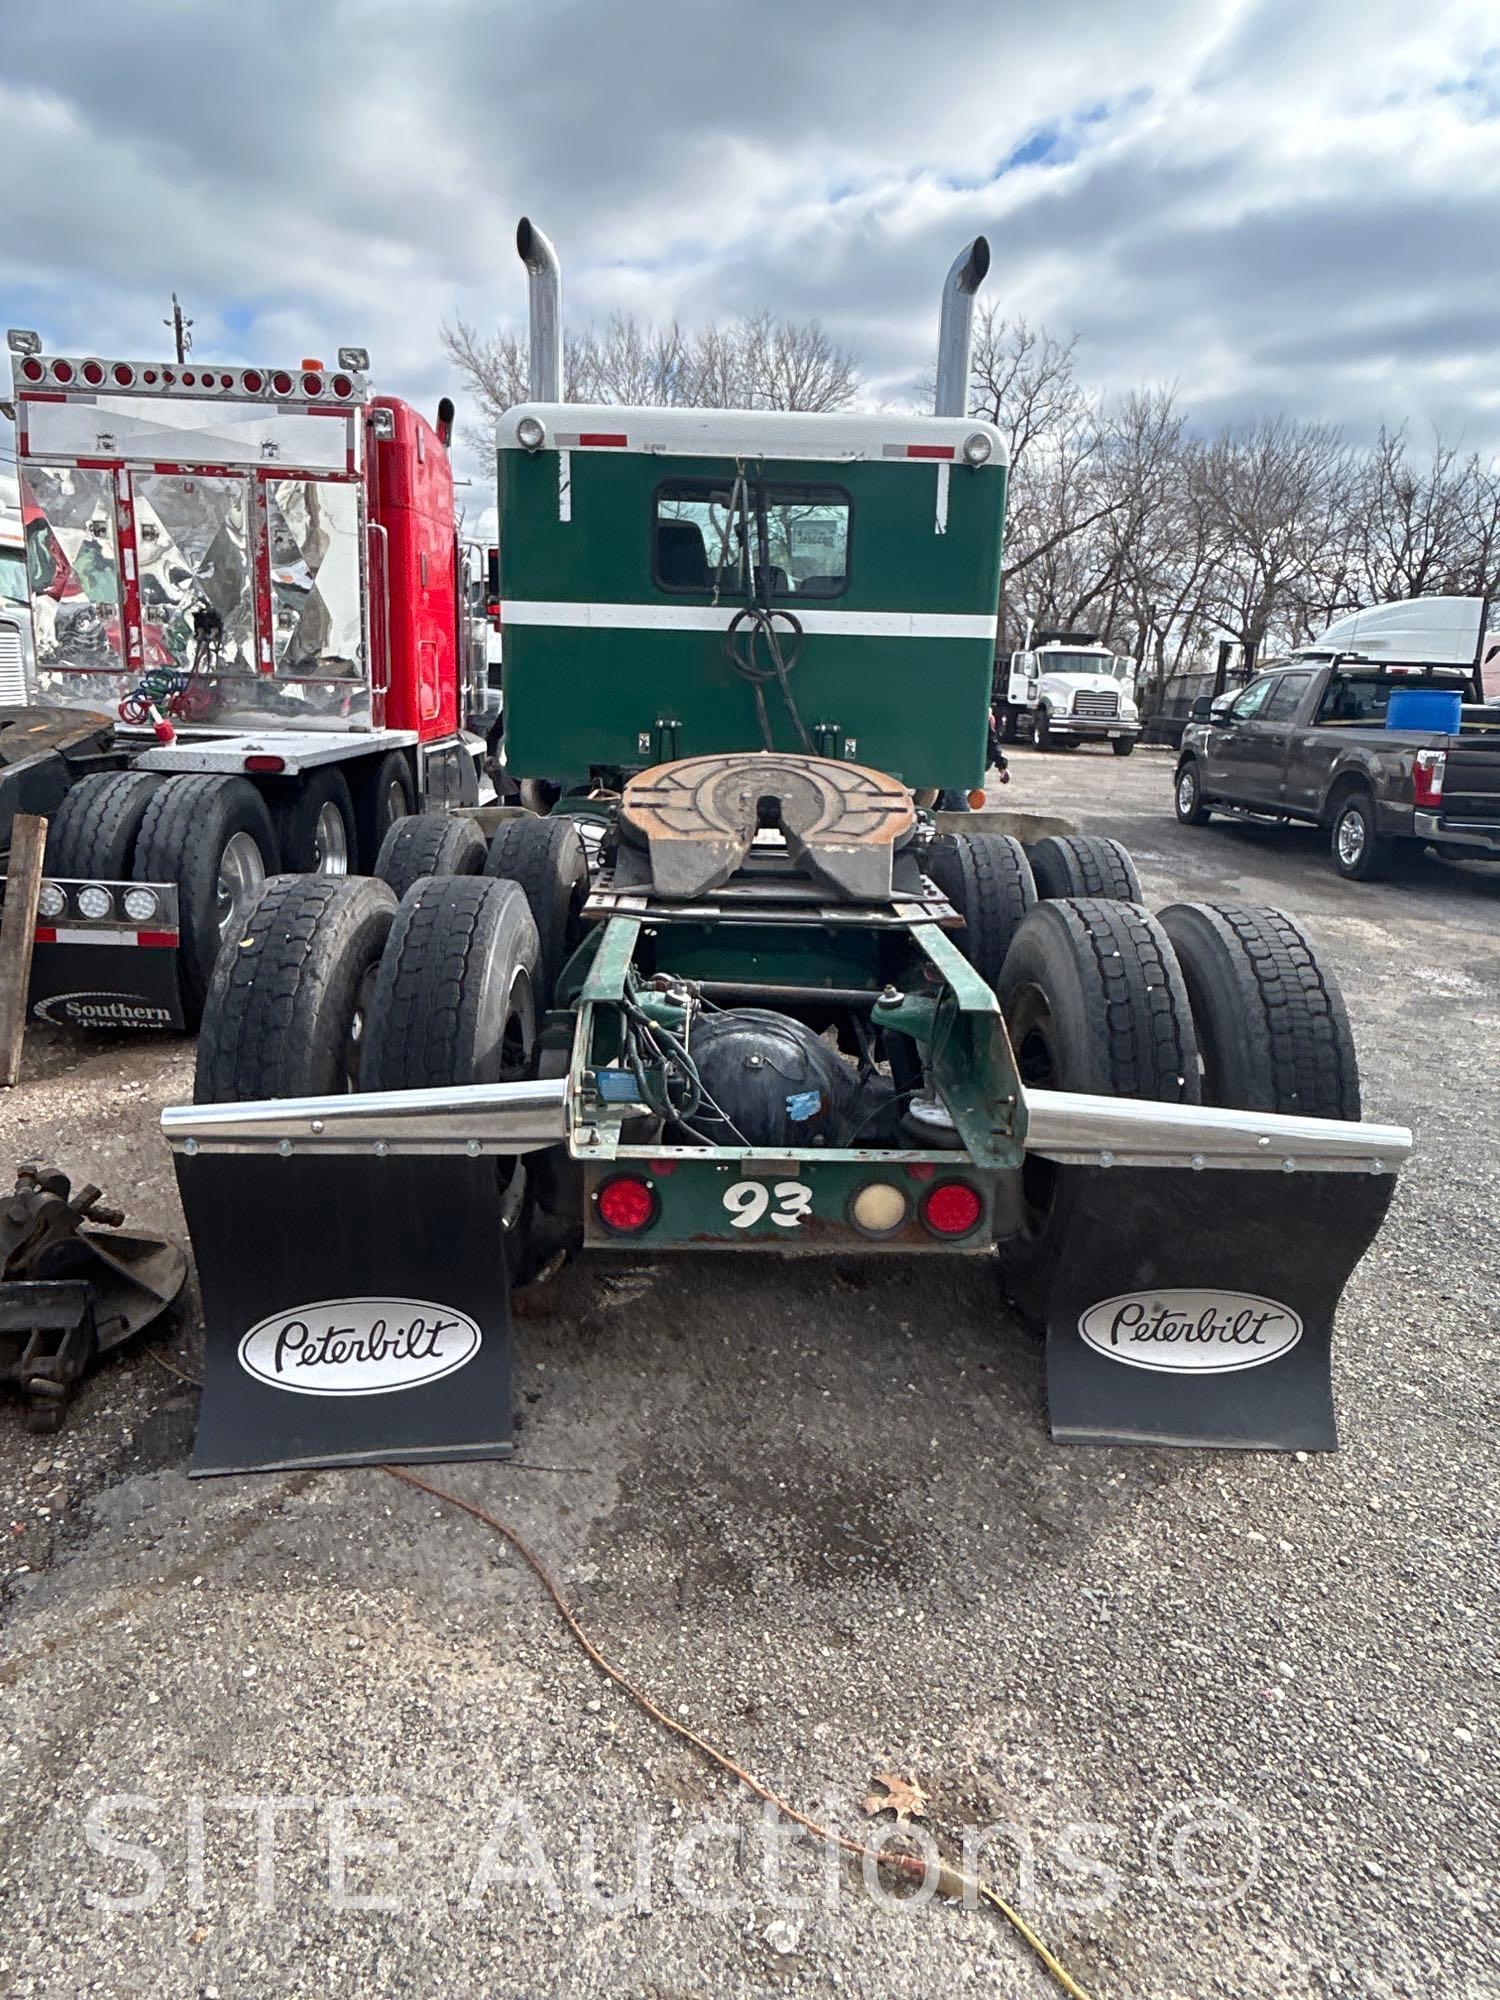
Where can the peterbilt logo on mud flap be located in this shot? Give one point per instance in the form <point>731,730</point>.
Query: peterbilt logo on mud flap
<point>1190,1331</point>
<point>102,1010</point>
<point>359,1347</point>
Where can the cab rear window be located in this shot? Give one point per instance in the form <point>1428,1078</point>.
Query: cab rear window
<point>1351,699</point>
<point>707,537</point>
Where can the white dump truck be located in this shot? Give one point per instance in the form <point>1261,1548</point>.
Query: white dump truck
<point>1067,688</point>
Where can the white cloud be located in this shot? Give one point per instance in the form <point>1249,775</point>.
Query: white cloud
<point>1271,204</point>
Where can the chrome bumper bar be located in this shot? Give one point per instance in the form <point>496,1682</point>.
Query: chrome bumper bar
<point>481,1118</point>
<point>1074,1129</point>
<point>1085,1131</point>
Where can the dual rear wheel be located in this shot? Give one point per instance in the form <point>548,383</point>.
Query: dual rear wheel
<point>1206,1004</point>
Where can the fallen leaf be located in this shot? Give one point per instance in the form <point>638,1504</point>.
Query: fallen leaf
<point>904,1797</point>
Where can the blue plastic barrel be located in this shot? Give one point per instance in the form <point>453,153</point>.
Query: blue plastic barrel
<point>1437,709</point>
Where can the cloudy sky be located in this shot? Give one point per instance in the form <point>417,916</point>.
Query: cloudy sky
<point>1276,204</point>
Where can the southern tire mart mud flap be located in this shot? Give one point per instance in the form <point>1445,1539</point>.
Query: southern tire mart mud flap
<point>337,1334</point>
<point>1196,1308</point>
<point>106,984</point>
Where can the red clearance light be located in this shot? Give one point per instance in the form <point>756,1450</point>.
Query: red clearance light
<point>308,361</point>
<point>952,1209</point>
<point>253,380</point>
<point>189,379</point>
<point>661,1168</point>
<point>32,369</point>
<point>148,374</point>
<point>62,371</point>
<point>226,381</point>
<point>312,385</point>
<point>626,1205</point>
<point>169,376</point>
<point>93,373</point>
<point>922,1170</point>
<point>270,765</point>
<point>123,374</point>
<point>342,386</point>
<point>281,382</point>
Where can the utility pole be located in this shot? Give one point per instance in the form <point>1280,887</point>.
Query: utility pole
<point>181,336</point>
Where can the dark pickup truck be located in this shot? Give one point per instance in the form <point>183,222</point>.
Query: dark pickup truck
<point>1308,742</point>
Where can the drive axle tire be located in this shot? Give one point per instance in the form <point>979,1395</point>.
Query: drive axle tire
<point>547,861</point>
<point>289,996</point>
<point>92,834</point>
<point>1094,1001</point>
<point>1083,864</point>
<point>454,999</point>
<point>1187,795</point>
<point>382,795</point>
<point>429,844</point>
<point>213,837</point>
<point>315,823</point>
<point>987,878</point>
<point>454,1004</point>
<point>1272,1031</point>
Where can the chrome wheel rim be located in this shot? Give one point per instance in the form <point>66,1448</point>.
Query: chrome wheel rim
<point>1187,793</point>
<point>1351,839</point>
<point>330,841</point>
<point>242,871</point>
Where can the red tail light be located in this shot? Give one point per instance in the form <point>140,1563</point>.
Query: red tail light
<point>953,1208</point>
<point>312,385</point>
<point>93,373</point>
<point>1427,777</point>
<point>269,765</point>
<point>281,382</point>
<point>62,371</point>
<point>253,380</point>
<point>32,369</point>
<point>626,1205</point>
<point>342,386</point>
<point>123,374</point>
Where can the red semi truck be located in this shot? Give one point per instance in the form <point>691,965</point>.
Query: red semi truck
<point>252,653</point>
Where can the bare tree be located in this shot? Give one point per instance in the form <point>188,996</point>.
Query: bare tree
<point>758,363</point>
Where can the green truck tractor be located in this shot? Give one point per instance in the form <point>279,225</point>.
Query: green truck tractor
<point>737,988</point>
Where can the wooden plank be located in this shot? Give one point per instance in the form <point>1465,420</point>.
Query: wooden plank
<point>23,882</point>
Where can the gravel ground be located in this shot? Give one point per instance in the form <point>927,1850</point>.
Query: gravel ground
<point>1230,1717</point>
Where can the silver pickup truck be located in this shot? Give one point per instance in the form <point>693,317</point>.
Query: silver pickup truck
<point>1308,742</point>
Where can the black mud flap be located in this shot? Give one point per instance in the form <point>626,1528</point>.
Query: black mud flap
<point>357,1309</point>
<point>112,985</point>
<point>1197,1308</point>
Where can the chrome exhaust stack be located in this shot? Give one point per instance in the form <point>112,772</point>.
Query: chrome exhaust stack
<point>544,289</point>
<point>956,329</point>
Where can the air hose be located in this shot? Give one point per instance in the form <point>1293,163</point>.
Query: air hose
<point>753,625</point>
